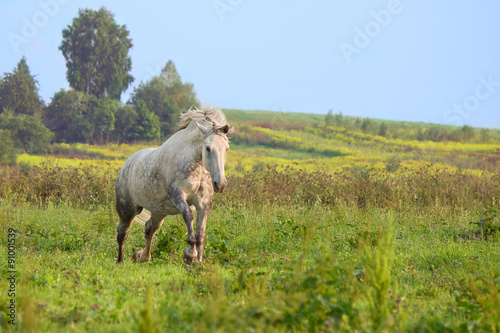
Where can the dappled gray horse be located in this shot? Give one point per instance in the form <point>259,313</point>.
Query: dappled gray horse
<point>183,172</point>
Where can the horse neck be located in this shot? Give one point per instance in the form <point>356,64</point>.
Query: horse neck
<point>184,145</point>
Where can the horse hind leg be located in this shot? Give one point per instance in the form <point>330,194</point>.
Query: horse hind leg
<point>122,234</point>
<point>126,218</point>
<point>153,224</point>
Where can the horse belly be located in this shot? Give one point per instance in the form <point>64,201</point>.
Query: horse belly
<point>166,208</point>
<point>156,204</point>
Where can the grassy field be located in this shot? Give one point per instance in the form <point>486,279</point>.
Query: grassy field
<point>322,229</point>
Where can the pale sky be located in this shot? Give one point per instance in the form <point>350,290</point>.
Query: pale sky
<point>420,60</point>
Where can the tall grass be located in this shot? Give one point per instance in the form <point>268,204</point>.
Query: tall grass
<point>76,186</point>
<point>424,187</point>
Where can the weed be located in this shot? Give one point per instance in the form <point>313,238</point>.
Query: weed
<point>393,164</point>
<point>146,320</point>
<point>377,265</point>
<point>489,225</point>
<point>479,297</point>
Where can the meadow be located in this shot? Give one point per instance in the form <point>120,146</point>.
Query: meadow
<point>321,229</point>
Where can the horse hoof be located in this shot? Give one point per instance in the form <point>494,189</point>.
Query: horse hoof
<point>187,259</point>
<point>138,257</point>
<point>189,255</point>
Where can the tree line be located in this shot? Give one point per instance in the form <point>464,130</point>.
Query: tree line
<point>96,51</point>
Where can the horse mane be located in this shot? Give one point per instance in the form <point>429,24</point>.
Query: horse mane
<point>207,115</point>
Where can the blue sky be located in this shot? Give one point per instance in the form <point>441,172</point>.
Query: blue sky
<point>420,60</point>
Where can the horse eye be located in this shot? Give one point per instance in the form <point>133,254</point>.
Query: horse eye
<point>208,149</point>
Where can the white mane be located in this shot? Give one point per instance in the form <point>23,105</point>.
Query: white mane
<point>210,116</point>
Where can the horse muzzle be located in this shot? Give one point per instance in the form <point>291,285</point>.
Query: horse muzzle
<point>219,187</point>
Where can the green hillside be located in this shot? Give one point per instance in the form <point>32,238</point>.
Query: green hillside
<point>305,141</point>
<point>272,116</point>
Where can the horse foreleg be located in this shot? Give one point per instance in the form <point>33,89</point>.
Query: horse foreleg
<point>201,223</point>
<point>190,252</point>
<point>182,206</point>
<point>153,224</point>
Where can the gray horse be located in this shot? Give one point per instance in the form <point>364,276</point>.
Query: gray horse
<point>183,172</point>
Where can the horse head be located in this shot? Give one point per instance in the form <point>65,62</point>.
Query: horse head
<point>214,150</point>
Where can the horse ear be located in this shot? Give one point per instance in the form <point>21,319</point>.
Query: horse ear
<point>203,129</point>
<point>225,129</point>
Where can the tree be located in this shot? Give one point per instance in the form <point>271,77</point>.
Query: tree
<point>96,51</point>
<point>420,135</point>
<point>182,93</point>
<point>485,135</point>
<point>329,119</point>
<point>19,91</point>
<point>169,75</point>
<point>147,126</point>
<point>155,96</point>
<point>467,133</point>
<point>166,96</point>
<point>334,119</point>
<point>21,108</point>
<point>125,120</point>
<point>8,154</point>
<point>96,125</point>
<point>366,125</point>
<point>65,108</point>
<point>26,131</point>
<point>81,130</point>
<point>436,134</point>
<point>102,118</point>
<point>76,117</point>
<point>382,131</point>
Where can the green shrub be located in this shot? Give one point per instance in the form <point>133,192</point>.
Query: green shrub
<point>393,164</point>
<point>489,225</point>
<point>8,154</point>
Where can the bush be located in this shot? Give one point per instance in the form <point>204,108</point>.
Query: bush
<point>75,186</point>
<point>393,164</point>
<point>8,154</point>
<point>26,131</point>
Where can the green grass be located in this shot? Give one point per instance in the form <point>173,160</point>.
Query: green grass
<point>385,234</point>
<point>271,269</point>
